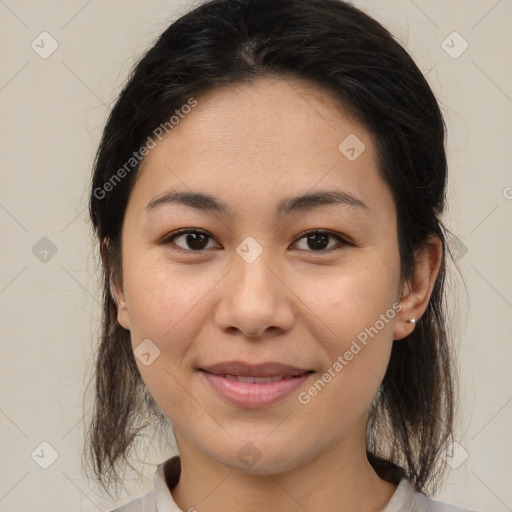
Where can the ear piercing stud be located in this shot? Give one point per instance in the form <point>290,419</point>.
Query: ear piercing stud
<point>411,321</point>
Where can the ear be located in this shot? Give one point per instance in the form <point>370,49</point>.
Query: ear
<point>123,315</point>
<point>116,287</point>
<point>417,291</point>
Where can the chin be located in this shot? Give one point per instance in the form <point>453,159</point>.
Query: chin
<point>261,457</point>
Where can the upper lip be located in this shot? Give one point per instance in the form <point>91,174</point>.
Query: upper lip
<point>270,369</point>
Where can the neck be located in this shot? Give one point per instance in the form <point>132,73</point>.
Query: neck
<point>339,480</point>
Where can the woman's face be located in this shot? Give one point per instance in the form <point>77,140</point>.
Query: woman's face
<point>253,290</point>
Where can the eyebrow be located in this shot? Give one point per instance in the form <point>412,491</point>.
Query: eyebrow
<point>306,202</point>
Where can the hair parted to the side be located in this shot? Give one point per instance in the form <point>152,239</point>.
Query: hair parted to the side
<point>334,46</point>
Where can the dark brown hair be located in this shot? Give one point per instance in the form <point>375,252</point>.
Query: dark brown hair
<point>334,46</point>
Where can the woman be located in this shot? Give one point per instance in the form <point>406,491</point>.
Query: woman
<point>267,196</point>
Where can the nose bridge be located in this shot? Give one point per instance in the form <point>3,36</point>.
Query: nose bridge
<point>251,270</point>
<point>253,279</point>
<point>255,298</point>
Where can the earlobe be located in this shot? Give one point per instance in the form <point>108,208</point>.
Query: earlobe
<point>417,292</point>
<point>116,291</point>
<point>123,316</point>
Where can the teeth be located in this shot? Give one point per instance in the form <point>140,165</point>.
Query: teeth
<point>252,380</point>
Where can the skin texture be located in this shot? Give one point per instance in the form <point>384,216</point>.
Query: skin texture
<point>251,146</point>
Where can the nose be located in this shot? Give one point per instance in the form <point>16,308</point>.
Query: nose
<point>255,300</point>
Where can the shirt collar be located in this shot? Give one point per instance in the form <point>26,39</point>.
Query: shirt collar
<point>166,477</point>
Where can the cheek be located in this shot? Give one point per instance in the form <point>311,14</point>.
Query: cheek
<point>356,351</point>
<point>163,299</point>
<point>168,305</point>
<point>355,311</point>
<point>351,298</point>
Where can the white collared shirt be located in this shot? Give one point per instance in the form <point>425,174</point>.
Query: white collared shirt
<point>159,499</point>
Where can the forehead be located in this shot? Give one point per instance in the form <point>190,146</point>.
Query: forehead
<point>272,137</point>
<point>270,113</point>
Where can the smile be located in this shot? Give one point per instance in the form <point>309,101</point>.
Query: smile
<point>251,386</point>
<point>259,380</point>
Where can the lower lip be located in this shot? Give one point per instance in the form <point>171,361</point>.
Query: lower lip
<point>254,394</point>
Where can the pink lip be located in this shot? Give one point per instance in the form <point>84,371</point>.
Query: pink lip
<point>269,369</point>
<point>255,394</point>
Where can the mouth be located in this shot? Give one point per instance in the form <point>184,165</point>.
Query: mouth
<point>262,370</point>
<point>259,380</point>
<point>249,386</point>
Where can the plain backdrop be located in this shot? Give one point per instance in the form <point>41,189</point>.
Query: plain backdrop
<point>53,108</point>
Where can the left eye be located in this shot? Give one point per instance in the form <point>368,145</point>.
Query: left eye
<point>319,240</point>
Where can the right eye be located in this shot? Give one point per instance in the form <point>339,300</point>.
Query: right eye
<point>192,240</point>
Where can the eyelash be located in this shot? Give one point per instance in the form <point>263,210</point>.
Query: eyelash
<point>168,240</point>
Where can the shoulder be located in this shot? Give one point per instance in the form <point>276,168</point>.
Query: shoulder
<point>406,499</point>
<point>145,503</point>
<point>440,506</point>
<point>165,478</point>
